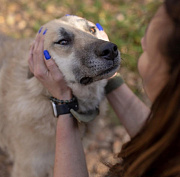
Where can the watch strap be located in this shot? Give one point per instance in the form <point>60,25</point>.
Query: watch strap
<point>61,107</point>
<point>65,108</point>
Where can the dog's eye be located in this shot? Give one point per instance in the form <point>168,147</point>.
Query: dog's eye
<point>62,42</point>
<point>92,30</point>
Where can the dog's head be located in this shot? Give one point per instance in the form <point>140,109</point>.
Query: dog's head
<point>75,45</point>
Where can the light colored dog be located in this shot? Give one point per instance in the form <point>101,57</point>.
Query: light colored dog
<point>27,124</point>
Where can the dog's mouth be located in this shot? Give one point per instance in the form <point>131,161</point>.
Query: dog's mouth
<point>86,80</point>
<point>109,72</point>
<point>103,75</point>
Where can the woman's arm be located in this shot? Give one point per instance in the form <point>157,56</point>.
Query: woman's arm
<point>131,111</point>
<point>69,156</point>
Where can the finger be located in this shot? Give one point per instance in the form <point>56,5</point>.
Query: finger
<point>40,66</point>
<point>52,67</point>
<point>40,69</point>
<point>39,32</point>
<point>36,43</point>
<point>100,28</point>
<point>37,38</point>
<point>102,35</point>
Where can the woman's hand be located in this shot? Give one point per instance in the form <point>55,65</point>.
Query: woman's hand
<point>101,33</point>
<point>46,70</point>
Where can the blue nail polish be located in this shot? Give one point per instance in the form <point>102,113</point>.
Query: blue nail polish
<point>46,54</point>
<point>40,30</point>
<point>99,27</point>
<point>44,31</point>
<point>70,15</point>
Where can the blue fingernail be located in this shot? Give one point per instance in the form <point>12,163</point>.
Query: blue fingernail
<point>44,31</point>
<point>70,15</point>
<point>46,54</point>
<point>40,30</point>
<point>99,27</point>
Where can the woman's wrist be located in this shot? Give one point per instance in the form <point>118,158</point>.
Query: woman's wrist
<point>113,83</point>
<point>66,125</point>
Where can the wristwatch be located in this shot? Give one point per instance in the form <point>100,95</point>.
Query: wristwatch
<point>61,107</point>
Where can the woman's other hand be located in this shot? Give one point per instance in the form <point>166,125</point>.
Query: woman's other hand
<point>101,33</point>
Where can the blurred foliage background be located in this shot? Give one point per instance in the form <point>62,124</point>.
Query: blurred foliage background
<point>124,21</point>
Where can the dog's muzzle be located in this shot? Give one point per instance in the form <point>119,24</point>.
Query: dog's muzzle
<point>108,61</point>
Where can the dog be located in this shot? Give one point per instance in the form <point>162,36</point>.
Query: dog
<point>27,128</point>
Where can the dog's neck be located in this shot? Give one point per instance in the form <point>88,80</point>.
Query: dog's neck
<point>89,96</point>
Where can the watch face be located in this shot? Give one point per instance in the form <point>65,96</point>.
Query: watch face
<point>54,109</point>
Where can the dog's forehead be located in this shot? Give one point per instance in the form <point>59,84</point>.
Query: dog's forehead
<point>76,21</point>
<point>70,22</point>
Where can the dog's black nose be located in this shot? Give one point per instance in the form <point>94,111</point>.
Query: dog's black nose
<point>108,51</point>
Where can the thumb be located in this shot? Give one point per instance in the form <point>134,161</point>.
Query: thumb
<point>52,67</point>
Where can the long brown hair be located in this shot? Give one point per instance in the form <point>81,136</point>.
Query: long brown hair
<point>155,150</point>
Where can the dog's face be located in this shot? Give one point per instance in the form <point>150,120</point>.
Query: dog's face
<point>75,45</point>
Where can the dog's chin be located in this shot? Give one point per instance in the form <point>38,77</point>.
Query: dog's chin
<point>103,75</point>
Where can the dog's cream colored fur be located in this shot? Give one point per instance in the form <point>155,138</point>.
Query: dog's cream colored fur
<point>27,124</point>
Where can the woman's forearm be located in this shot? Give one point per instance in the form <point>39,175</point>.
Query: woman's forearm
<point>131,111</point>
<point>69,159</point>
